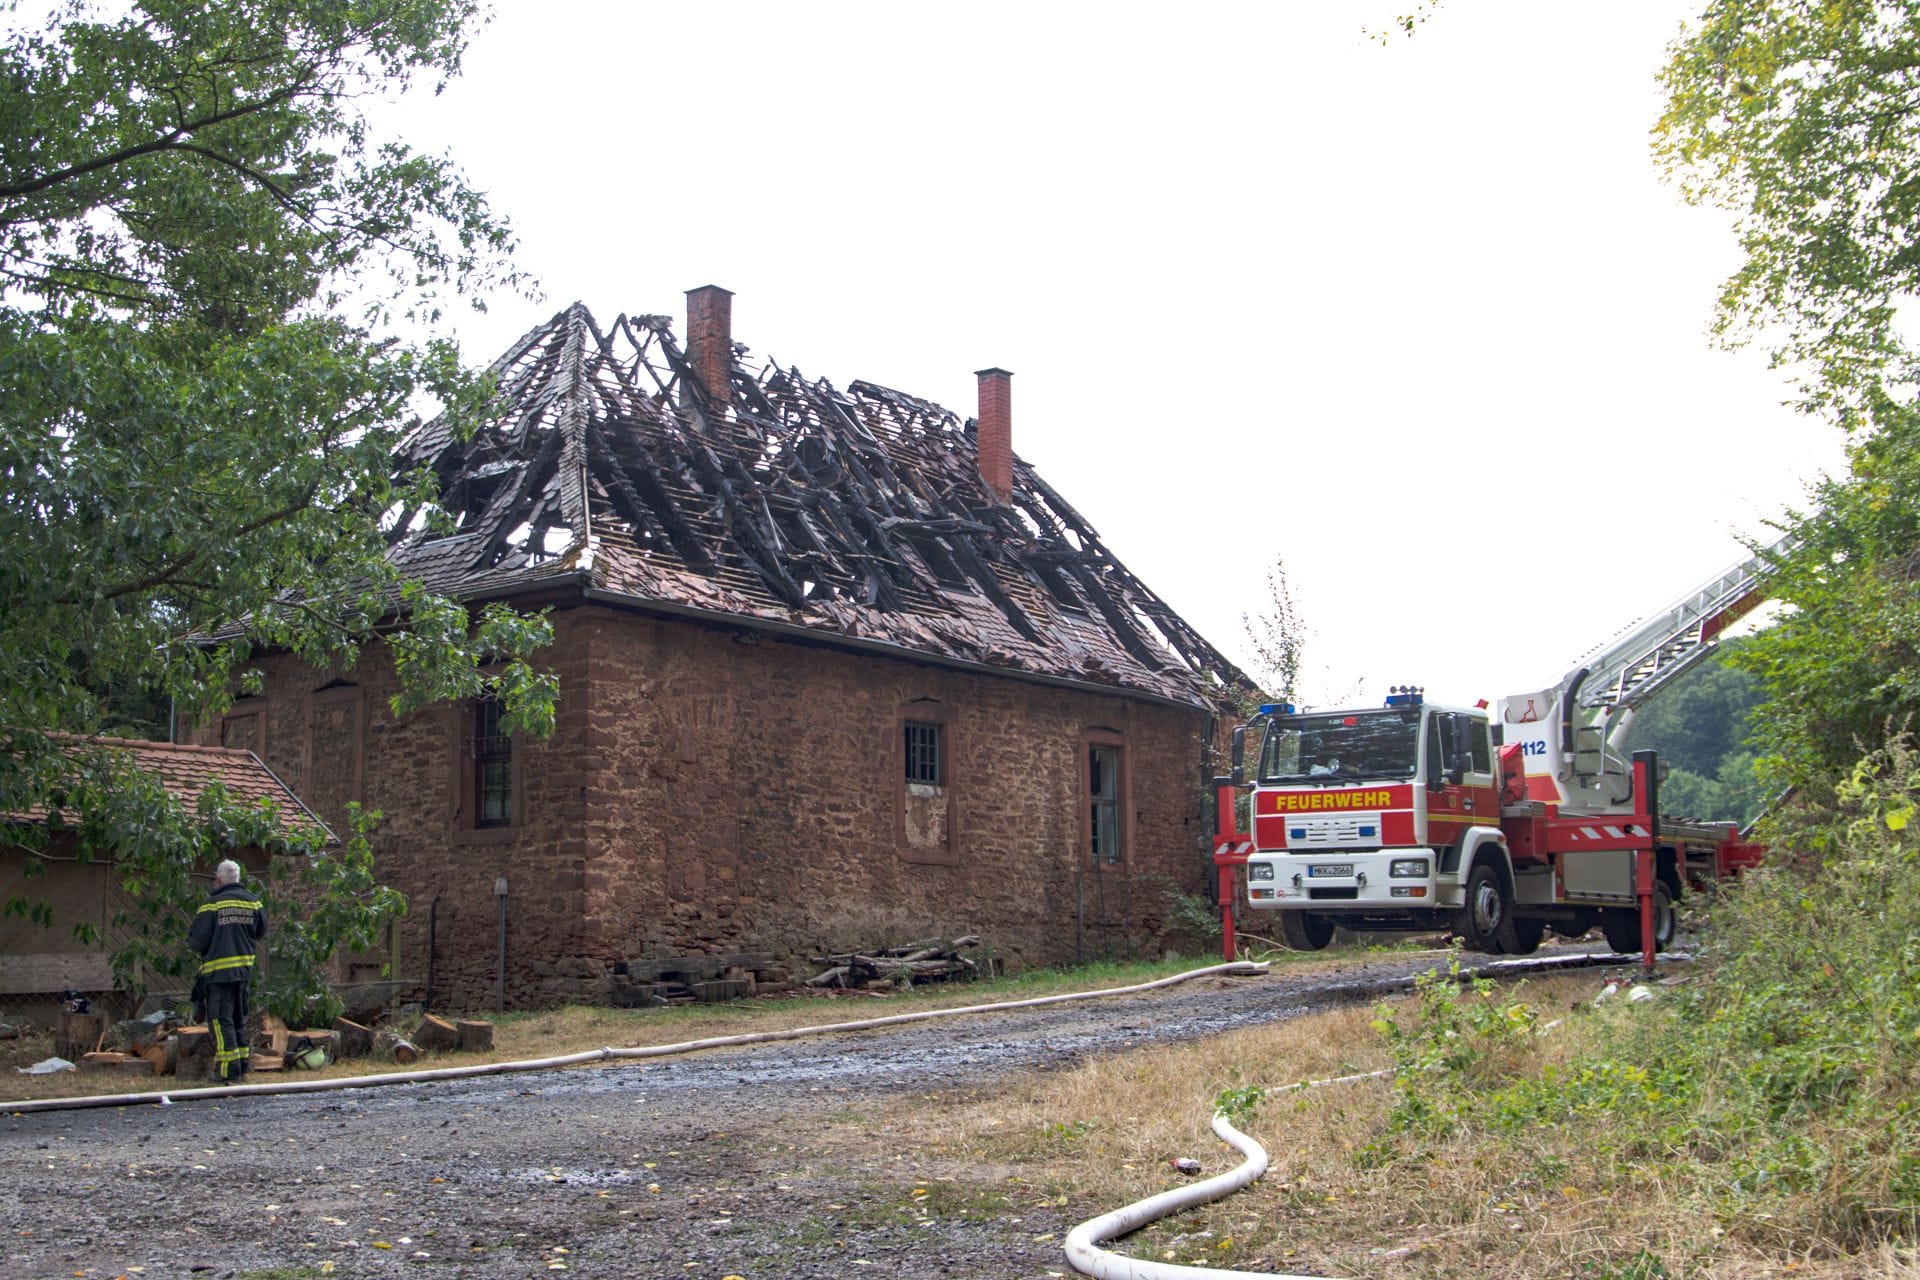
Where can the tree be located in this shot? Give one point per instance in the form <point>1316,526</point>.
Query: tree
<point>1277,637</point>
<point>1699,725</point>
<point>195,433</point>
<point>1803,119</point>
<point>1799,117</point>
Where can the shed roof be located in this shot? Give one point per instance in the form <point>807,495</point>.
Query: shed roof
<point>186,771</point>
<point>856,515</point>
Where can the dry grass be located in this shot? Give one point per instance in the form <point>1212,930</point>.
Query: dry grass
<point>1335,1201</point>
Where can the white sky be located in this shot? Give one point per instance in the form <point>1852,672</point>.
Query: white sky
<point>1421,318</point>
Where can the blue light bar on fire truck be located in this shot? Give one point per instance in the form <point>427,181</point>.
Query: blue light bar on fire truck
<point>1405,695</point>
<point>1277,709</point>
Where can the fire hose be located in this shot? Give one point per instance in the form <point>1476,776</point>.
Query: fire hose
<point>168,1097</point>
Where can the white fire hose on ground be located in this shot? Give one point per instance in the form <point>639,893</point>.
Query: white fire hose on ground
<point>168,1097</point>
<point>1085,1255</point>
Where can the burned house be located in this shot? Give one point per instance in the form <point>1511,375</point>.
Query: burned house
<point>837,668</point>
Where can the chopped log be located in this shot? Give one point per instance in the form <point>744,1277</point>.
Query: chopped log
<point>475,1036</point>
<point>437,1035</point>
<point>834,977</point>
<point>401,1051</point>
<point>268,1033</point>
<point>266,1062</point>
<point>915,962</point>
<point>78,1034</point>
<point>134,1034</point>
<point>352,1039</point>
<point>159,1055</point>
<point>193,1055</point>
<point>105,1060</point>
<point>134,1065</point>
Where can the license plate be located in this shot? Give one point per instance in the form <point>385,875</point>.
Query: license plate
<point>1331,869</point>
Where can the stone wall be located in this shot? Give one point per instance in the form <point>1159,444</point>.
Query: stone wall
<point>711,790</point>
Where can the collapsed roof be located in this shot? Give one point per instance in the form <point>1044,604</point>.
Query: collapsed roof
<point>859,515</point>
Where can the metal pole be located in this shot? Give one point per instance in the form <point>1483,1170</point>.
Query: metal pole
<point>500,960</point>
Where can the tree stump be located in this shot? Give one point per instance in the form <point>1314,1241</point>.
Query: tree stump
<point>352,1039</point>
<point>193,1057</point>
<point>437,1035</point>
<point>78,1035</point>
<point>475,1036</point>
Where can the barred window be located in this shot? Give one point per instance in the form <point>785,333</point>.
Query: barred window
<point>1103,785</point>
<point>492,752</point>
<point>923,753</point>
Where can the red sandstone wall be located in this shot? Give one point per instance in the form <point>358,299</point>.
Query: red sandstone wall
<point>704,794</point>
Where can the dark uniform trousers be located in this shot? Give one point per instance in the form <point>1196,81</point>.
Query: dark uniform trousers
<point>227,1021</point>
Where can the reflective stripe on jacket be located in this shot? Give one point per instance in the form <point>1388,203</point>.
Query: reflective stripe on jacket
<point>225,931</point>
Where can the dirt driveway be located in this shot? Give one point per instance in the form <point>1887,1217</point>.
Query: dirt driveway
<point>759,1162</point>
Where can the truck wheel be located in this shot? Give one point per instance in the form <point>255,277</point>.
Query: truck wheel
<point>1527,934</point>
<point>1303,932</point>
<point>1486,923</point>
<point>1622,924</point>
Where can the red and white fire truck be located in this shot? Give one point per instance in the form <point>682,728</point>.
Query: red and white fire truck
<point>1414,815</point>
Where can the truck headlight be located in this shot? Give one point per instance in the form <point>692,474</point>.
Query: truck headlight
<point>1259,871</point>
<point>1408,869</point>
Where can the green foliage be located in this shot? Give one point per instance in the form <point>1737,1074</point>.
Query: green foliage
<point>1799,117</point>
<point>195,440</point>
<point>1457,1032</point>
<point>1777,1087</point>
<point>194,443</point>
<point>1239,1101</point>
<point>1194,913</point>
<point>1699,725</point>
<point>1701,718</point>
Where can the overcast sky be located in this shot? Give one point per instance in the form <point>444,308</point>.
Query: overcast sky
<point>1420,319</point>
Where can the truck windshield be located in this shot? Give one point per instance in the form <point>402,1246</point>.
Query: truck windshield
<point>1342,747</point>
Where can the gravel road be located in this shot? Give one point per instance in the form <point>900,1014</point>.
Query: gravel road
<point>720,1163</point>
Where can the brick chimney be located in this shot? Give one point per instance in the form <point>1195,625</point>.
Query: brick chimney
<point>994,441</point>
<point>710,342</point>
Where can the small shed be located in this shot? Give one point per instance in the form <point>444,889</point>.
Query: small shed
<point>41,954</point>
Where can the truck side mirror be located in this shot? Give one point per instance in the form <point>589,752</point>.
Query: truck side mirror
<point>1240,756</point>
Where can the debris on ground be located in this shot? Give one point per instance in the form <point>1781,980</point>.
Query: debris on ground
<point>657,981</point>
<point>927,961</point>
<point>47,1067</point>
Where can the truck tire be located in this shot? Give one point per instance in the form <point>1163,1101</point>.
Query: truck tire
<point>1304,932</point>
<point>1486,922</point>
<point>1527,934</point>
<point>1621,925</point>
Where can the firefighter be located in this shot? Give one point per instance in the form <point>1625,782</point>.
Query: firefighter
<point>225,930</point>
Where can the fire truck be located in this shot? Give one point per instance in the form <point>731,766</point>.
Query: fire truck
<point>1495,827</point>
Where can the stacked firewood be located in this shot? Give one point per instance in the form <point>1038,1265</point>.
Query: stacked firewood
<point>933,960</point>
